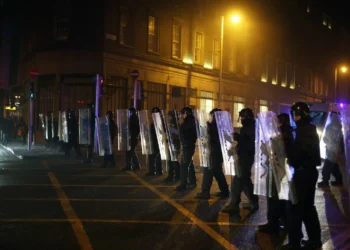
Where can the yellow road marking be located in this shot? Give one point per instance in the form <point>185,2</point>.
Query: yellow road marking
<point>77,225</point>
<point>201,224</point>
<point>82,185</point>
<point>2,220</point>
<point>104,200</point>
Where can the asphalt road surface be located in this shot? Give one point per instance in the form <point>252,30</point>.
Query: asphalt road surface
<point>50,202</point>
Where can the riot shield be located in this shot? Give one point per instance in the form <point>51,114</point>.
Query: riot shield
<point>345,121</point>
<point>262,170</point>
<point>228,145</point>
<point>46,127</point>
<point>203,137</point>
<point>64,131</point>
<point>103,136</point>
<point>161,135</point>
<point>59,126</point>
<point>331,138</point>
<point>85,126</point>
<point>282,173</point>
<point>145,132</point>
<point>173,133</point>
<point>42,122</point>
<point>52,118</point>
<point>123,129</point>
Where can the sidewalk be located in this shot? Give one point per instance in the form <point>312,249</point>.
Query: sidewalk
<point>21,150</point>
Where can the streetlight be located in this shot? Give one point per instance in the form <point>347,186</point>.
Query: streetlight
<point>343,69</point>
<point>235,19</point>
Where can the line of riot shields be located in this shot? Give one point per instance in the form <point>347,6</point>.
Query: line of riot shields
<point>272,172</point>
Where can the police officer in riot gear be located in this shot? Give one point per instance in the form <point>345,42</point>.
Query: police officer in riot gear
<point>174,166</point>
<point>216,160</point>
<point>188,135</point>
<point>154,160</point>
<point>276,208</point>
<point>132,161</point>
<point>92,135</point>
<point>73,133</point>
<point>304,158</point>
<point>333,139</point>
<point>246,154</point>
<point>108,159</point>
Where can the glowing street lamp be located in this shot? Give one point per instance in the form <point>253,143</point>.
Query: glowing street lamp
<point>344,69</point>
<point>235,19</point>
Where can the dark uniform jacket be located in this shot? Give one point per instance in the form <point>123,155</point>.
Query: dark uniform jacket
<point>188,132</point>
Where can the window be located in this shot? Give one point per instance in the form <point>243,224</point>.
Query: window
<point>176,49</point>
<point>155,94</point>
<point>232,59</point>
<point>198,48</point>
<point>216,54</point>
<point>265,69</point>
<point>153,45</point>
<point>125,28</point>
<point>237,106</point>
<point>291,76</point>
<point>327,21</point>
<point>206,101</point>
<point>263,106</point>
<point>61,29</point>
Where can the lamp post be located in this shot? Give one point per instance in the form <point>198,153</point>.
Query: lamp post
<point>343,69</point>
<point>235,19</point>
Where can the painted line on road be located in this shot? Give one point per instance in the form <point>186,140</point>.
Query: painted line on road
<point>83,185</point>
<point>77,225</point>
<point>110,200</point>
<point>201,224</point>
<point>116,221</point>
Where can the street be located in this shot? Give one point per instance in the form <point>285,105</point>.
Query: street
<point>51,202</point>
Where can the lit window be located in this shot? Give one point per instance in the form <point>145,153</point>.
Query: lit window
<point>198,48</point>
<point>216,54</point>
<point>176,49</point>
<point>308,9</point>
<point>263,108</point>
<point>206,101</point>
<point>237,106</point>
<point>153,35</point>
<point>125,29</point>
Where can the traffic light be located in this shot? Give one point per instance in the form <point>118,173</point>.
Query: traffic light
<point>31,90</point>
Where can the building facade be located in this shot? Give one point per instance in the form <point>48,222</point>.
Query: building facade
<point>275,55</point>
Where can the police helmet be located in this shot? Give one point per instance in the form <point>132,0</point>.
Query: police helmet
<point>246,113</point>
<point>132,111</point>
<point>300,109</point>
<point>110,114</point>
<point>186,110</point>
<point>213,111</point>
<point>283,118</point>
<point>155,110</point>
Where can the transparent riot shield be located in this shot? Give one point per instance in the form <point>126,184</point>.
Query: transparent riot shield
<point>47,127</point>
<point>42,122</point>
<point>331,138</point>
<point>59,126</point>
<point>145,132</point>
<point>345,121</point>
<point>282,173</point>
<point>123,129</point>
<point>203,137</point>
<point>161,135</point>
<point>85,126</point>
<point>64,122</point>
<point>103,136</point>
<point>228,145</point>
<point>52,119</point>
<point>173,133</point>
<point>262,170</point>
